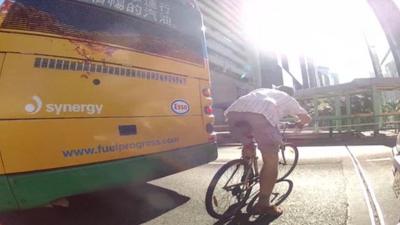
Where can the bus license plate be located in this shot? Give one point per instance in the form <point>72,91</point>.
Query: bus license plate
<point>396,184</point>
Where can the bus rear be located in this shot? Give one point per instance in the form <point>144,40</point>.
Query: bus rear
<point>99,93</point>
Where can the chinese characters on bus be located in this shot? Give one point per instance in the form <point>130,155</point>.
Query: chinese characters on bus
<point>152,10</point>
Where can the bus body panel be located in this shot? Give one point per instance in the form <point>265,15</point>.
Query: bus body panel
<point>42,144</point>
<point>143,93</point>
<point>38,188</point>
<point>8,201</point>
<point>32,43</point>
<point>101,32</point>
<point>95,96</point>
<point>2,56</point>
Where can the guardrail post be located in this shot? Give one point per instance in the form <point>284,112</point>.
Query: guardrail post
<point>348,111</point>
<point>316,115</point>
<point>338,114</point>
<point>377,108</point>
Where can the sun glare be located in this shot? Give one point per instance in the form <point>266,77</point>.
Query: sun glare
<point>330,31</point>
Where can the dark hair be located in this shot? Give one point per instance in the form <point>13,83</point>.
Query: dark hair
<point>286,89</point>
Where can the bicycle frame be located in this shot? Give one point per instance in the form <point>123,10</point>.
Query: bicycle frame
<point>242,185</point>
<point>253,165</point>
<point>249,182</point>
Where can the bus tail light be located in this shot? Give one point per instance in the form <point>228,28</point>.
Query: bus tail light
<point>206,92</point>
<point>6,6</point>
<point>209,128</point>
<point>208,110</point>
<point>206,103</point>
<point>212,138</point>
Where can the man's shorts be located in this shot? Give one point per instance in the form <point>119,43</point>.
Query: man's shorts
<point>266,135</point>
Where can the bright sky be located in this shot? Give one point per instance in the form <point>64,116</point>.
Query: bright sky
<point>330,31</point>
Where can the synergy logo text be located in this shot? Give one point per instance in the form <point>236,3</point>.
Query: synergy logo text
<point>33,108</point>
<point>36,107</point>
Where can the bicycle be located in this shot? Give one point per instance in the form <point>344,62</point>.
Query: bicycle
<point>247,177</point>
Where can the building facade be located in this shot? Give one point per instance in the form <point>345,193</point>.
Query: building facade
<point>299,72</point>
<point>233,61</point>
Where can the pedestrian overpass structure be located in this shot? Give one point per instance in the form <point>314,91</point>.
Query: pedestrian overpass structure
<point>364,111</point>
<point>362,105</point>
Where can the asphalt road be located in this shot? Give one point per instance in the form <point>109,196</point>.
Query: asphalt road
<point>327,190</point>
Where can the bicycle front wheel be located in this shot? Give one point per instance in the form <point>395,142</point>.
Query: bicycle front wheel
<point>288,158</point>
<point>229,189</point>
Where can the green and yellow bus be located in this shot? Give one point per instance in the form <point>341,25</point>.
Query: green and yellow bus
<point>99,93</point>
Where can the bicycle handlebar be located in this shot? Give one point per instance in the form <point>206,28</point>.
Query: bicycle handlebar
<point>285,125</point>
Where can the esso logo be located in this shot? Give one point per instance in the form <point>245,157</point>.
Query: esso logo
<point>180,107</point>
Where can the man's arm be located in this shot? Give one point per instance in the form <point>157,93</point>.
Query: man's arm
<point>296,110</point>
<point>304,118</point>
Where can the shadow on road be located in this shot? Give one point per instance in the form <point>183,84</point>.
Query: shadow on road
<point>247,219</point>
<point>119,206</point>
<point>282,190</point>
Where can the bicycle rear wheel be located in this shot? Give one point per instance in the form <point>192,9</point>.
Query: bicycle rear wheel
<point>288,158</point>
<point>228,190</point>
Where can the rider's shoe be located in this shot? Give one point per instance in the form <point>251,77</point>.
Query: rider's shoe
<point>262,209</point>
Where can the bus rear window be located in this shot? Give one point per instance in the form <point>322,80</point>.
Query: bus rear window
<point>159,27</point>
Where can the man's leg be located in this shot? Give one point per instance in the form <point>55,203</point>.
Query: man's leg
<point>268,176</point>
<point>268,173</point>
<point>268,140</point>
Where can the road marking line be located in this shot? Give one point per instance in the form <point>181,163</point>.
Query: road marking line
<point>374,209</point>
<point>379,159</point>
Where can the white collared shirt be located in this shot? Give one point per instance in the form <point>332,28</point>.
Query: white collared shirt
<point>271,103</point>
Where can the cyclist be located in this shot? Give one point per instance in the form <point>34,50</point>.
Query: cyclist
<point>262,109</point>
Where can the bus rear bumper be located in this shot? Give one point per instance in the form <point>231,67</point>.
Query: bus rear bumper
<point>29,190</point>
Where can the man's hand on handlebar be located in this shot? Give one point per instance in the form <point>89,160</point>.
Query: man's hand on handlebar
<point>304,118</point>
<point>299,125</point>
